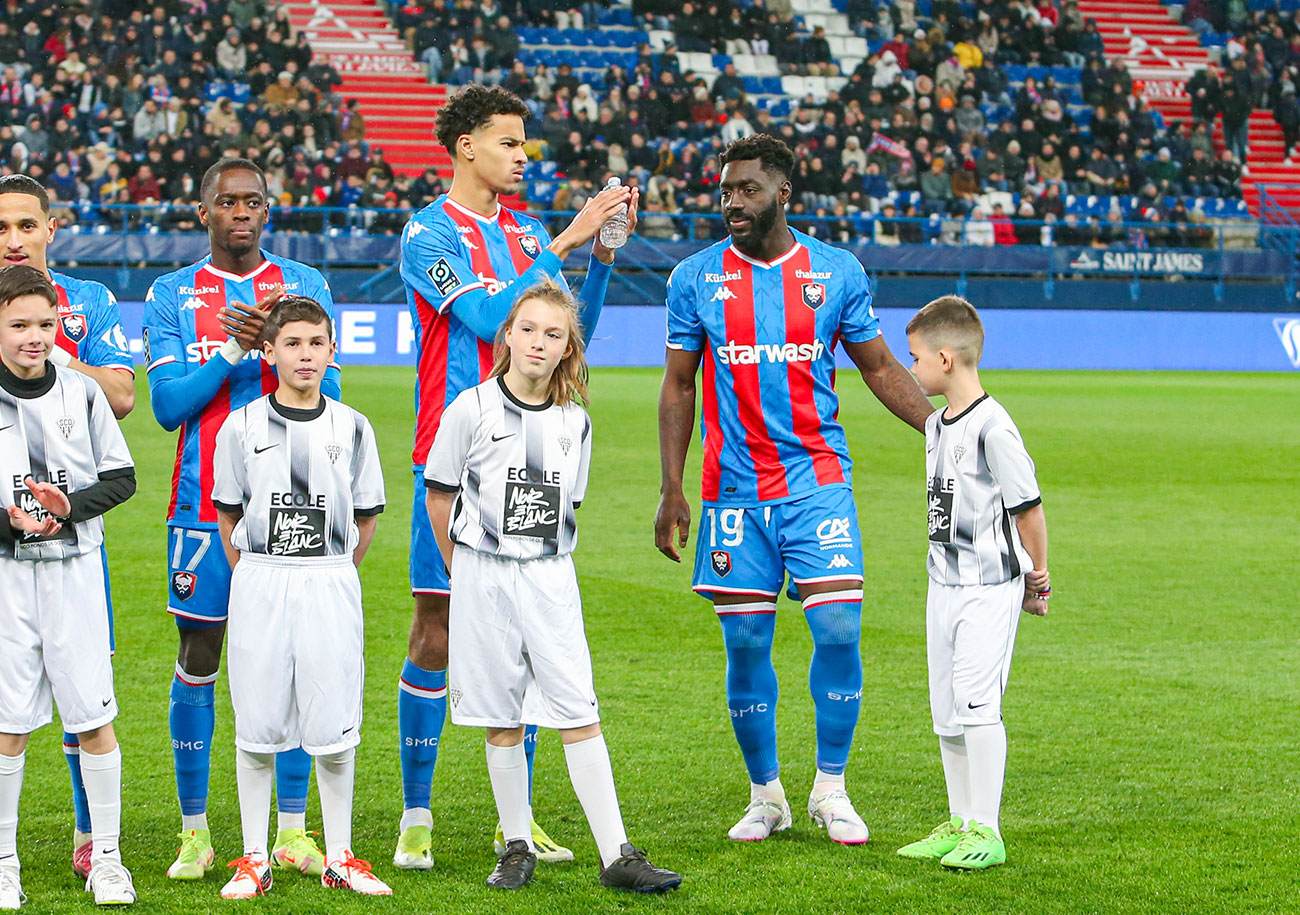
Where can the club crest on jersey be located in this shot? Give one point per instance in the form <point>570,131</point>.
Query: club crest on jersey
<point>65,424</point>
<point>183,584</point>
<point>565,443</point>
<point>958,452</point>
<point>721,560</point>
<point>528,244</point>
<point>74,327</point>
<point>814,295</point>
<point>333,449</point>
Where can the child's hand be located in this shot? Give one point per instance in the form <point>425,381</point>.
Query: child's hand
<point>21,520</point>
<point>1038,580</point>
<point>1034,604</point>
<point>51,498</point>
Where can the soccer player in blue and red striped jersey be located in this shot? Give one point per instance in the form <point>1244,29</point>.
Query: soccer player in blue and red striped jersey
<point>465,259</point>
<point>764,312</point>
<point>203,356</point>
<point>88,339</point>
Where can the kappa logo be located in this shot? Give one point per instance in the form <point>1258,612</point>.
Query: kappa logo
<point>65,424</point>
<point>721,560</point>
<point>530,246</point>
<point>183,584</point>
<point>74,327</point>
<point>814,295</point>
<point>565,443</point>
<point>722,295</point>
<point>333,449</point>
<point>193,303</point>
<point>958,452</point>
<point>1288,331</point>
<point>834,533</point>
<point>840,561</point>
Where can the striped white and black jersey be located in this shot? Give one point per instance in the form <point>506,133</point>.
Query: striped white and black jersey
<point>518,469</point>
<point>299,476</point>
<point>58,429</point>
<point>978,475</point>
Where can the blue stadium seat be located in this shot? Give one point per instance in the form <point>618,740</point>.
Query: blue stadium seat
<point>1040,73</point>
<point>528,56</point>
<point>1016,73</point>
<point>602,39</point>
<point>720,61</point>
<point>240,93</point>
<point>542,192</point>
<point>753,84</point>
<point>1066,76</point>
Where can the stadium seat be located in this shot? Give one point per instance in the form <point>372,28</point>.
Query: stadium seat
<point>792,86</point>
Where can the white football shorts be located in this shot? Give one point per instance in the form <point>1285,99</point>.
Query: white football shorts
<point>518,651</point>
<point>970,632</point>
<point>54,645</point>
<point>296,653</point>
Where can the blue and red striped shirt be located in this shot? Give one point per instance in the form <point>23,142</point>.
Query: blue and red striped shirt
<point>449,251</point>
<point>182,333</point>
<point>768,332</point>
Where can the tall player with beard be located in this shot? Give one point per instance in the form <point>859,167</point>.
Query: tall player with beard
<point>465,259</point>
<point>203,356</point>
<point>764,312</point>
<point>89,340</point>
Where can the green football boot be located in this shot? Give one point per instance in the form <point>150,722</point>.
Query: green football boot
<point>941,840</point>
<point>978,849</point>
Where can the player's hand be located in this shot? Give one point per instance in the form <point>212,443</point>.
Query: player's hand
<point>594,214</point>
<point>1038,580</point>
<point>1034,604</point>
<point>606,255</point>
<point>673,514</point>
<point>244,323</point>
<point>50,497</point>
<point>22,521</point>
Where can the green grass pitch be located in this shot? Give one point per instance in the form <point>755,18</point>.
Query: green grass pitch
<point>1151,715</point>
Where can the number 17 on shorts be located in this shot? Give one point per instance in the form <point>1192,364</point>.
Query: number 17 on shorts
<point>198,576</point>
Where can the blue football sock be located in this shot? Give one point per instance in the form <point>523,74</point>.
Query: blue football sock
<point>751,686</point>
<point>192,718</point>
<point>421,713</point>
<point>292,776</point>
<point>530,751</point>
<point>72,750</point>
<point>835,676</point>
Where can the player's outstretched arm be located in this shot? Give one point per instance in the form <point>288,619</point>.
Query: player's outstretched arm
<point>892,384</point>
<point>676,421</point>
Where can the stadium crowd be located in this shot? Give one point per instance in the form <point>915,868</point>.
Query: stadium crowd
<point>128,102</point>
<point>122,101</point>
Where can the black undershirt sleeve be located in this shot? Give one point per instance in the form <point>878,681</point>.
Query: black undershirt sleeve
<point>114,488</point>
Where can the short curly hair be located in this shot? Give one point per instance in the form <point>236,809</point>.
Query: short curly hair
<point>472,109</point>
<point>770,151</point>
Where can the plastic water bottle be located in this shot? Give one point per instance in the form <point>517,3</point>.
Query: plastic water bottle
<point>613,234</point>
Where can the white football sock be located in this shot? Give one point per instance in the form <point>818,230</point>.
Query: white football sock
<point>824,781</point>
<point>291,820</point>
<point>986,745</point>
<point>11,786</point>
<point>593,782</point>
<point>772,791</point>
<point>194,821</point>
<point>415,816</point>
<point>334,778</point>
<point>255,778</point>
<point>956,775</point>
<point>102,776</point>
<point>508,772</point>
